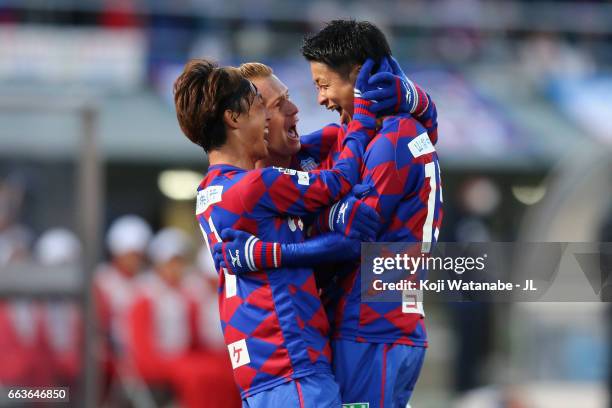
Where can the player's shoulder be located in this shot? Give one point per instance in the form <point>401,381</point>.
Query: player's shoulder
<point>401,126</point>
<point>330,130</point>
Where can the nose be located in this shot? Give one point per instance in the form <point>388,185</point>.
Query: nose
<point>322,98</point>
<point>291,108</point>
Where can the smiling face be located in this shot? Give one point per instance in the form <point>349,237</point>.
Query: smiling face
<point>335,91</point>
<point>283,137</point>
<point>254,132</point>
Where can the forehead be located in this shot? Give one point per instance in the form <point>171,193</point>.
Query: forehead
<point>323,72</point>
<point>270,87</point>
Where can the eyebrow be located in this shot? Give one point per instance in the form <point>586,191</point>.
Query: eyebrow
<point>279,97</point>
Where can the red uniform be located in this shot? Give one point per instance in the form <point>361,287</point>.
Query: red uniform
<point>165,346</point>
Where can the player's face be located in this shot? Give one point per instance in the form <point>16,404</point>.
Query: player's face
<point>283,137</point>
<point>335,91</point>
<point>254,129</point>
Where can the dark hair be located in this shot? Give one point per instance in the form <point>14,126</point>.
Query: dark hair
<point>202,93</point>
<point>342,44</point>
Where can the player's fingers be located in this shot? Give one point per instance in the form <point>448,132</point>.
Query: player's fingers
<point>217,248</point>
<point>217,258</point>
<point>369,218</point>
<point>380,106</point>
<point>367,66</point>
<point>381,78</point>
<point>395,67</point>
<point>371,214</point>
<point>364,224</point>
<point>228,234</point>
<point>378,94</point>
<point>365,70</point>
<point>384,65</point>
<point>361,190</point>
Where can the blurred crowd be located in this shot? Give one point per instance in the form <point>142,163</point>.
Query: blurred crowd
<point>159,333</point>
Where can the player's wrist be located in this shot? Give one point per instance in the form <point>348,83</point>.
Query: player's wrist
<point>266,255</point>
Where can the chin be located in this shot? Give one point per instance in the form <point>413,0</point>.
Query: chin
<point>295,149</point>
<point>345,118</point>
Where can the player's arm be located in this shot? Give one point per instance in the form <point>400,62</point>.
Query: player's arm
<point>279,191</point>
<point>355,222</point>
<point>241,252</point>
<point>317,145</point>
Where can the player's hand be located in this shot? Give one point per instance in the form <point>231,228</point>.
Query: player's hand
<point>391,90</point>
<point>232,252</point>
<point>354,219</point>
<point>241,252</point>
<point>362,112</point>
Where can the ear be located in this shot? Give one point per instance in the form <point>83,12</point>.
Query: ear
<point>354,73</point>
<point>230,118</point>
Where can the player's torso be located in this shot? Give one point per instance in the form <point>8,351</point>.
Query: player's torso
<point>413,213</point>
<point>273,322</point>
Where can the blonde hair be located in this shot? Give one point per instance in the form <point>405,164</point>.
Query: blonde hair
<point>252,70</point>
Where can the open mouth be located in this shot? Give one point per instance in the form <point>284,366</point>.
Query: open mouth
<point>335,108</point>
<point>266,135</point>
<point>292,133</point>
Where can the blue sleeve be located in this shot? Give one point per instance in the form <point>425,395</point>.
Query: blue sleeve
<point>320,249</point>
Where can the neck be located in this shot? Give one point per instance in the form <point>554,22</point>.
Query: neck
<point>227,155</point>
<point>273,159</point>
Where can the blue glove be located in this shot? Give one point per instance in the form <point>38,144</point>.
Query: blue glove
<point>253,257</point>
<point>241,252</point>
<point>354,219</point>
<point>361,190</point>
<point>362,112</point>
<point>391,89</point>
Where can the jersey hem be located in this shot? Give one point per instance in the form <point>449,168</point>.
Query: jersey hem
<point>276,382</point>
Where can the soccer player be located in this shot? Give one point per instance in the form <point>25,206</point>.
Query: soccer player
<point>378,347</point>
<point>274,325</point>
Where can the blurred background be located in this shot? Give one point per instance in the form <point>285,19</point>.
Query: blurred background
<point>97,188</point>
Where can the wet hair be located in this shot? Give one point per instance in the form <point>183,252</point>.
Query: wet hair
<point>202,94</point>
<point>342,44</point>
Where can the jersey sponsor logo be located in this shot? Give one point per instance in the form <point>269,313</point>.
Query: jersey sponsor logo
<point>421,145</point>
<point>356,405</point>
<point>303,178</point>
<point>284,170</point>
<point>210,195</point>
<point>308,164</point>
<point>239,353</point>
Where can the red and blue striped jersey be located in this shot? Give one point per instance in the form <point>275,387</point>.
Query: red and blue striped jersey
<point>401,165</point>
<point>274,325</point>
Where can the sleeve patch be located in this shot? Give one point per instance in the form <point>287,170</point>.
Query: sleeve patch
<point>421,145</point>
<point>210,195</point>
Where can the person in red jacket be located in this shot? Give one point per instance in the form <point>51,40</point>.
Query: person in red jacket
<point>164,342</point>
<point>61,323</point>
<point>114,289</point>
